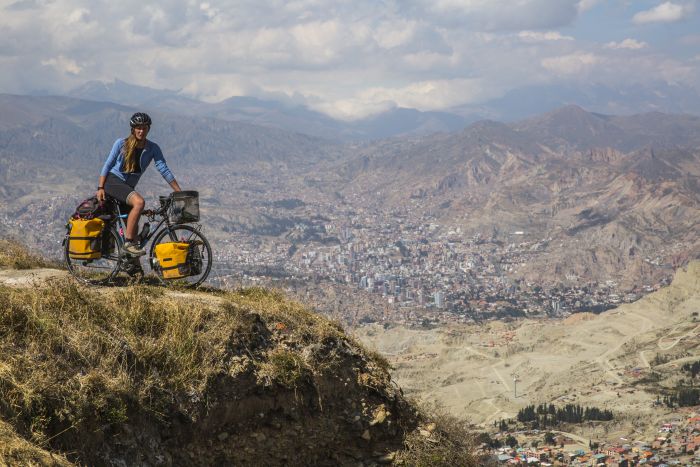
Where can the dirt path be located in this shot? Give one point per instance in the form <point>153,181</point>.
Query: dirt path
<point>476,352</point>
<point>604,359</point>
<point>497,413</point>
<point>503,380</point>
<point>38,277</point>
<point>643,358</point>
<point>679,361</point>
<point>29,277</point>
<point>690,333</point>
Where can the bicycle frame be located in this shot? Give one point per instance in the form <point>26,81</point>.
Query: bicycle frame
<point>152,215</point>
<point>121,224</point>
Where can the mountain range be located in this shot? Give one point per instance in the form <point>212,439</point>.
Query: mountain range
<point>617,193</point>
<point>608,192</point>
<point>291,115</point>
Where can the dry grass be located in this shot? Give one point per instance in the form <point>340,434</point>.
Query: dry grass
<point>14,255</point>
<point>79,354</point>
<point>442,440</point>
<point>73,354</point>
<point>289,317</point>
<point>284,367</point>
<point>14,450</point>
<point>310,343</point>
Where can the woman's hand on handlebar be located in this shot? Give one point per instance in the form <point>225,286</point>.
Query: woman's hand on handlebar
<point>100,195</point>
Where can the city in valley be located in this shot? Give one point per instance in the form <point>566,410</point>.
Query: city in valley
<point>415,271</point>
<point>400,266</point>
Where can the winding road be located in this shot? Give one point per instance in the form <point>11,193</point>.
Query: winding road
<point>691,333</point>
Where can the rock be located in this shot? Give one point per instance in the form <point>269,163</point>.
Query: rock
<point>222,436</point>
<point>366,436</point>
<point>380,415</point>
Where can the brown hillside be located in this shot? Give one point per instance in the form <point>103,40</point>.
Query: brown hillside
<point>141,375</point>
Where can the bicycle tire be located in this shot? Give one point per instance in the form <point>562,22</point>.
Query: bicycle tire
<point>101,270</point>
<point>182,233</point>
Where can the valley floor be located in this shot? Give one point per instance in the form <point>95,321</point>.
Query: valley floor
<point>622,360</point>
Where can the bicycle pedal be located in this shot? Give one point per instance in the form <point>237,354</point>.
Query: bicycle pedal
<point>136,274</point>
<point>129,256</point>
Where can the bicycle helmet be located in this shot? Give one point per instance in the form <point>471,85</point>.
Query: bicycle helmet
<point>140,118</point>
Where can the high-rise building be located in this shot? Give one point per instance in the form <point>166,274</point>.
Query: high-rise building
<point>439,299</point>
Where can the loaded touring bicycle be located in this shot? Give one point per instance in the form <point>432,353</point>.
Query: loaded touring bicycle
<point>179,251</point>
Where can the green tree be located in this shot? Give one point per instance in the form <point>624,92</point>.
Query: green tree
<point>549,438</point>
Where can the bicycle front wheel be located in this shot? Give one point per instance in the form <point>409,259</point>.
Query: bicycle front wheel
<point>199,257</point>
<point>100,270</point>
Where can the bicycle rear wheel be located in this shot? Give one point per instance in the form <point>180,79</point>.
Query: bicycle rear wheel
<point>200,257</point>
<point>100,270</point>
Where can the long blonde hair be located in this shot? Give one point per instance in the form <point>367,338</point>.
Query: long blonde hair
<point>129,151</point>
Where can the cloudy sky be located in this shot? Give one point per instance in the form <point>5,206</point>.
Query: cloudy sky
<point>349,58</point>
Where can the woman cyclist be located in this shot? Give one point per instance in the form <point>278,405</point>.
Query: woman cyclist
<point>124,166</point>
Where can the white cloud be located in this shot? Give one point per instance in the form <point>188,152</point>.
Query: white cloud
<point>345,58</point>
<point>631,44</point>
<point>666,12</point>
<point>426,95</point>
<point>575,63</point>
<point>322,42</point>
<point>63,64</point>
<point>585,5</point>
<point>390,34</point>
<point>208,11</point>
<point>430,95</point>
<point>538,36</point>
<point>352,108</point>
<point>429,61</point>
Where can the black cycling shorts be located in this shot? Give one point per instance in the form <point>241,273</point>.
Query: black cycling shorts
<point>118,188</point>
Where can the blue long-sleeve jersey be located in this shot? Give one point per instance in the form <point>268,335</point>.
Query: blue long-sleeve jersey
<point>151,152</point>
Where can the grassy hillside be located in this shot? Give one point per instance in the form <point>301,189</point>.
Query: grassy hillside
<point>15,256</point>
<point>142,374</point>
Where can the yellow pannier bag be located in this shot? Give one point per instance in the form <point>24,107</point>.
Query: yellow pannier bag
<point>84,239</point>
<point>172,257</point>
